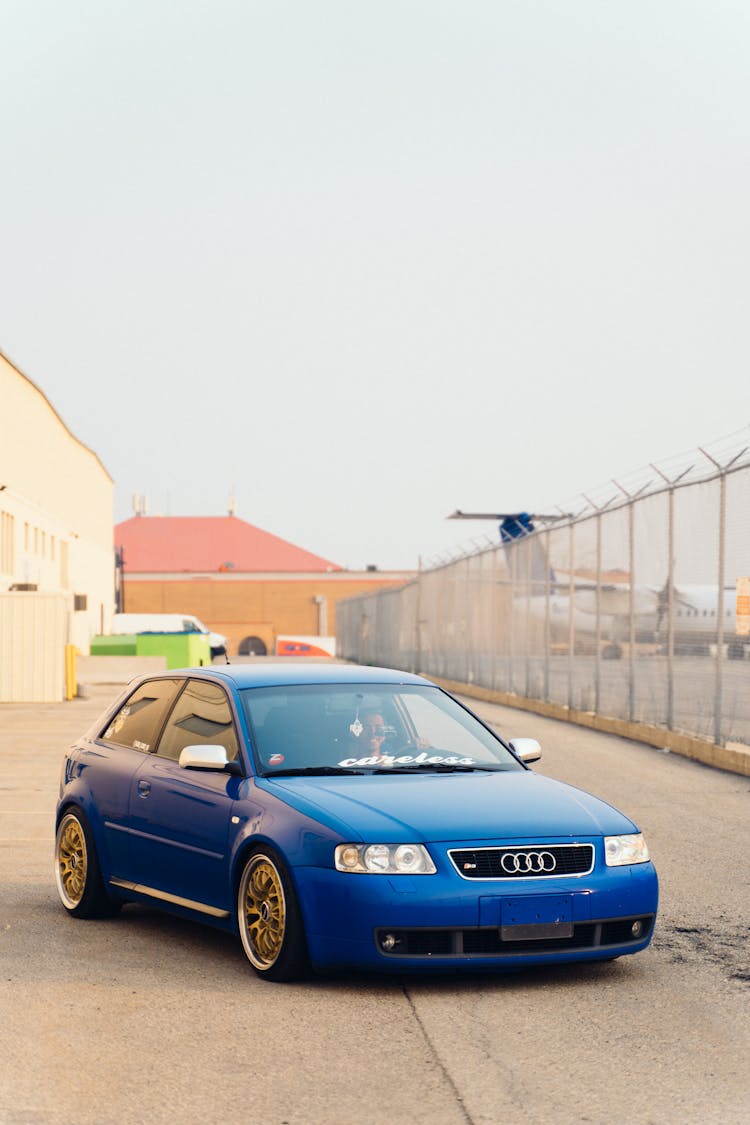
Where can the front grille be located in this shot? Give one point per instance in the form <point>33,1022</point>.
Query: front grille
<point>486,941</point>
<point>537,861</point>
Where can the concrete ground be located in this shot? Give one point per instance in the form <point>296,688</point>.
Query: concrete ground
<point>145,1018</point>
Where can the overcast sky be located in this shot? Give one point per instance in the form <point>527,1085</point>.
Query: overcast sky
<point>360,264</point>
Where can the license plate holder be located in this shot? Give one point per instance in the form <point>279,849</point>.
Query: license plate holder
<point>536,918</point>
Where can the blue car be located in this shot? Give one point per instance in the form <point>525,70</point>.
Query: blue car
<point>338,816</point>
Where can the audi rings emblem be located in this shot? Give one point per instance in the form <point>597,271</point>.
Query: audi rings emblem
<point>528,863</point>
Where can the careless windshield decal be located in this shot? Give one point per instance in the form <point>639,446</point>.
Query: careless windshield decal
<point>409,760</point>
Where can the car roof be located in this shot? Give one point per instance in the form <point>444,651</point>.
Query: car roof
<point>303,671</point>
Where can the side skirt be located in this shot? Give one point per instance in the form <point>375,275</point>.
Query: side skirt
<point>164,896</point>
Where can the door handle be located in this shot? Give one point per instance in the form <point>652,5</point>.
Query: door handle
<point>144,788</point>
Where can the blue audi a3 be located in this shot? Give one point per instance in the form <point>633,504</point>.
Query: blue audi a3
<point>339,816</point>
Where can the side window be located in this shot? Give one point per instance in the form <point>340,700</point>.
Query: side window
<point>201,715</point>
<point>138,722</point>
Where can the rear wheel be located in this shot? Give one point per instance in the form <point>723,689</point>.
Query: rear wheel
<point>79,880</point>
<point>269,919</point>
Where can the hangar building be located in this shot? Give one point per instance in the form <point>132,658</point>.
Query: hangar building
<point>239,580</point>
<point>56,562</point>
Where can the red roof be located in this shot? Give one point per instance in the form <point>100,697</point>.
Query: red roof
<point>158,544</point>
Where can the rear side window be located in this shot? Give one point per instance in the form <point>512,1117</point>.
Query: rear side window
<point>202,717</point>
<point>139,720</point>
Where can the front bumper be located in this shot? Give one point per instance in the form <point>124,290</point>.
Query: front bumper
<point>443,921</point>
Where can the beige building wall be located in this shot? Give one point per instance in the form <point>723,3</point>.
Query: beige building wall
<point>32,647</point>
<point>262,605</point>
<point>56,509</point>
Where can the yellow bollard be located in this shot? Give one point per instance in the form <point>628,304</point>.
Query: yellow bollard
<point>71,683</point>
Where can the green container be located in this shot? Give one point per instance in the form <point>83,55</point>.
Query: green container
<point>182,650</point>
<point>122,645</point>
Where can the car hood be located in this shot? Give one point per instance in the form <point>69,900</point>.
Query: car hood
<point>449,807</point>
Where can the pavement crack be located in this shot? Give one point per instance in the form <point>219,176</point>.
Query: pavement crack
<point>438,1060</point>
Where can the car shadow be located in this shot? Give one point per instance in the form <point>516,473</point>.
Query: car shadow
<point>140,936</point>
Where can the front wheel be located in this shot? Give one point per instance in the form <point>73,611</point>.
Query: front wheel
<point>269,919</point>
<point>79,880</point>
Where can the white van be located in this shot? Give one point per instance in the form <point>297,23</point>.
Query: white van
<point>167,623</point>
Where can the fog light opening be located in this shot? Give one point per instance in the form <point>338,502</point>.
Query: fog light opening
<point>637,928</point>
<point>388,942</point>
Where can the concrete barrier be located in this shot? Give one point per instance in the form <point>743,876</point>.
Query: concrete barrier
<point>734,757</point>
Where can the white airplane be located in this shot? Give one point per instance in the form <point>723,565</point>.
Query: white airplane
<point>695,610</point>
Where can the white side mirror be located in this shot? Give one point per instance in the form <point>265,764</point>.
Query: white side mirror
<point>203,758</point>
<point>527,749</point>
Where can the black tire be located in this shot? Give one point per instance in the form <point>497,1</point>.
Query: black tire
<point>77,873</point>
<point>269,919</point>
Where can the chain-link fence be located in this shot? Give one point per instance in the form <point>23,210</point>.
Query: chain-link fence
<point>629,608</point>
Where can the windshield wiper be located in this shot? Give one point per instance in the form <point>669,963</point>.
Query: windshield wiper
<point>312,771</point>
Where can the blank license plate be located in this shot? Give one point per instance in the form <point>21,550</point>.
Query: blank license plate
<point>536,918</point>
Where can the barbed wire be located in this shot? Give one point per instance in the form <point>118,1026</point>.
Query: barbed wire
<point>730,452</point>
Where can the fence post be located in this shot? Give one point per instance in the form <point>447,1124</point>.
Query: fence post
<point>571,613</point>
<point>670,612</point>
<point>493,619</point>
<point>598,654</point>
<point>512,622</point>
<point>672,484</point>
<point>418,622</point>
<point>547,588</point>
<point>719,697</point>
<point>631,611</point>
<point>598,628</point>
<point>467,630</point>
<point>719,707</point>
<point>631,498</point>
<point>719,684</point>
<point>528,630</point>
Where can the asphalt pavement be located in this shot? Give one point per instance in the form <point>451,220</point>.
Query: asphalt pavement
<point>145,1018</point>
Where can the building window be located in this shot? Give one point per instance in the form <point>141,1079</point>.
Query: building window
<point>7,542</point>
<point>64,565</point>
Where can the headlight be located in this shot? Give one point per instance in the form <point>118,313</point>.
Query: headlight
<point>384,859</point>
<point>621,850</point>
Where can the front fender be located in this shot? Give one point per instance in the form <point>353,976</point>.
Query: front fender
<point>264,821</point>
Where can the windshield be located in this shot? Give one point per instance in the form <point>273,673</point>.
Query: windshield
<point>359,728</point>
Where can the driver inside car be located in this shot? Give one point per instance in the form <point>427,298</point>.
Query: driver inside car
<point>374,736</point>
<point>377,740</point>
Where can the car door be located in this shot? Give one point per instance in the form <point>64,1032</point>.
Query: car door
<point>115,757</point>
<point>181,817</point>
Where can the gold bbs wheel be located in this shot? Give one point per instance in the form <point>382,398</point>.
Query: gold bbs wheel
<point>77,874</point>
<point>269,920</point>
<point>263,905</point>
<point>71,861</point>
